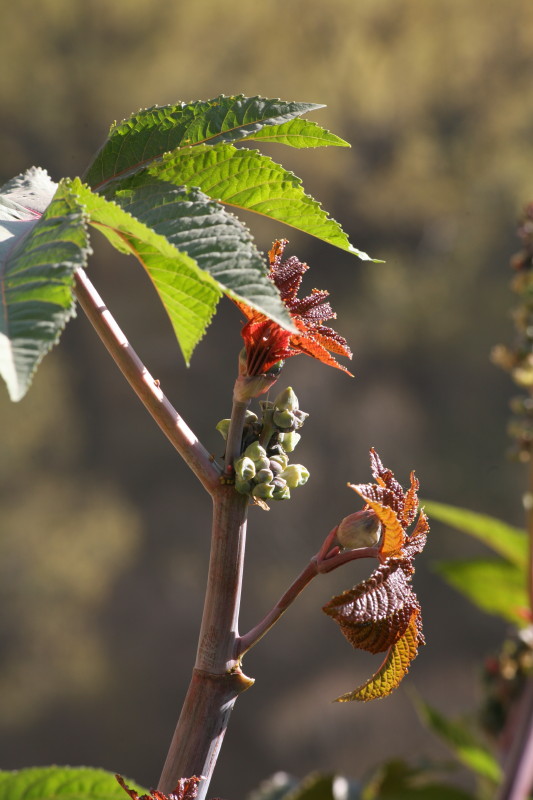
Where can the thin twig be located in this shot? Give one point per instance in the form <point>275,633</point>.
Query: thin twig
<point>319,564</point>
<point>147,389</point>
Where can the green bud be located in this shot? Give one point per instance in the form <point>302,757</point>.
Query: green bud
<point>281,493</point>
<point>279,462</point>
<point>255,451</point>
<point>262,463</point>
<point>295,475</point>
<point>223,427</point>
<point>244,468</point>
<point>283,419</point>
<point>264,476</point>
<point>362,529</point>
<point>250,416</point>
<point>286,400</point>
<point>263,491</point>
<point>243,487</point>
<point>289,440</point>
<point>299,418</point>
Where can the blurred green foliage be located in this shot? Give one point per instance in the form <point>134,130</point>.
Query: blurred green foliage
<point>97,646</point>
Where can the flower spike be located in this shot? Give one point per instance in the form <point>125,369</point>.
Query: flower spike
<point>267,343</point>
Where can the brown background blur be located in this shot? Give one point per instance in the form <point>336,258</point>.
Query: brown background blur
<point>104,533</point>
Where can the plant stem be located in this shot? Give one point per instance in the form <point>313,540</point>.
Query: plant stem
<point>217,679</point>
<point>518,778</point>
<point>233,442</point>
<point>146,388</point>
<point>318,564</point>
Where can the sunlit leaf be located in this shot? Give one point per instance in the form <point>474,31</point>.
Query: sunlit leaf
<point>61,783</point>
<point>147,135</point>
<point>496,587</point>
<point>297,133</point>
<point>43,240</point>
<point>393,669</point>
<point>376,613</point>
<point>248,180</point>
<point>192,249</point>
<point>462,741</point>
<point>504,539</point>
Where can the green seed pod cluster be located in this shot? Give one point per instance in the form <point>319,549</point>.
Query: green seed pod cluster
<point>251,430</point>
<point>267,477</point>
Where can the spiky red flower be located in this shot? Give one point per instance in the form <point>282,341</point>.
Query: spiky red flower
<point>266,342</point>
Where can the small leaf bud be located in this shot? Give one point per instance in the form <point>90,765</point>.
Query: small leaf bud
<point>286,400</point>
<point>300,417</point>
<point>255,451</point>
<point>244,468</point>
<point>263,491</point>
<point>289,440</point>
<point>362,529</point>
<point>295,475</point>
<point>281,493</point>
<point>264,476</point>
<point>275,467</point>
<point>281,460</point>
<point>283,419</point>
<point>223,428</point>
<point>243,487</point>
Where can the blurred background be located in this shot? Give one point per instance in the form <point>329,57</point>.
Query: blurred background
<point>104,533</point>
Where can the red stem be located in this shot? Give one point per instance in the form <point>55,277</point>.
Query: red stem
<point>145,387</point>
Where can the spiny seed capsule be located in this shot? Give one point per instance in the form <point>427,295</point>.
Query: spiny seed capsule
<point>362,529</point>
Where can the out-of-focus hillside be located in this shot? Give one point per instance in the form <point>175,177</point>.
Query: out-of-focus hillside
<point>103,533</point>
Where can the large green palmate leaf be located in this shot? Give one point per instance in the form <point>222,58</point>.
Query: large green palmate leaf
<point>192,249</point>
<point>43,240</point>
<point>496,586</point>
<point>61,783</point>
<point>147,135</point>
<point>504,539</point>
<point>246,180</point>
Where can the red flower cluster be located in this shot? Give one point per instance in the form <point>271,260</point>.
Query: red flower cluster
<point>267,343</point>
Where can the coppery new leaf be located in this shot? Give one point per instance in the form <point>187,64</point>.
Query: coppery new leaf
<point>383,613</point>
<point>187,789</point>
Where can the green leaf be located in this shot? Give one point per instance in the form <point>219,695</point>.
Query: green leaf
<point>218,242</point>
<point>43,240</point>
<point>147,135</point>
<point>460,739</point>
<point>61,783</point>
<point>496,587</point>
<point>507,541</point>
<point>250,181</point>
<point>297,133</point>
<point>167,224</point>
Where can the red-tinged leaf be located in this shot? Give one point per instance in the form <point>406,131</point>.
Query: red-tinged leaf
<point>393,668</point>
<point>393,533</point>
<point>375,614</point>
<point>186,789</point>
<point>411,501</point>
<point>383,613</point>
